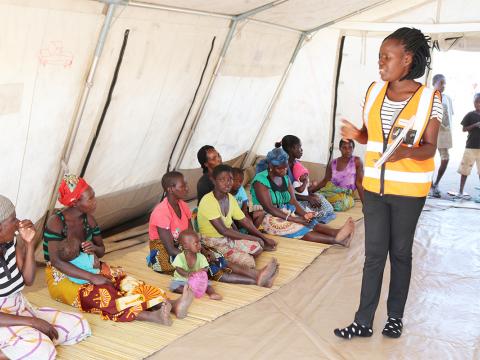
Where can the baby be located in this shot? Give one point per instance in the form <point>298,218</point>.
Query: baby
<point>87,262</point>
<point>301,176</point>
<point>190,261</point>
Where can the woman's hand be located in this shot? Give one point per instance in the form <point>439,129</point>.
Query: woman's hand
<point>314,201</point>
<point>97,279</point>
<point>27,231</point>
<point>45,327</point>
<point>402,152</point>
<point>270,244</point>
<point>348,130</point>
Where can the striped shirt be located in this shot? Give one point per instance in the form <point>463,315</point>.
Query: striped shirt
<point>11,279</point>
<point>390,110</point>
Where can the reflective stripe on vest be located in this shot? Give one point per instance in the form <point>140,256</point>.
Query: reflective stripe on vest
<point>406,177</point>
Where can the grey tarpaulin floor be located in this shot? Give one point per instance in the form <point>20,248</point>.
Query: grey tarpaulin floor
<point>442,318</point>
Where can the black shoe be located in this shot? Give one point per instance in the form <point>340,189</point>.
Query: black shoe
<point>352,330</point>
<point>393,328</point>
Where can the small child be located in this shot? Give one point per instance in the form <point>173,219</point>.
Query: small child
<point>301,176</point>
<point>87,262</point>
<point>190,261</point>
<point>238,191</point>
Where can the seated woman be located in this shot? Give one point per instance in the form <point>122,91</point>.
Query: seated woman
<point>216,213</point>
<point>274,200</point>
<point>170,218</point>
<point>27,332</point>
<point>73,231</point>
<point>299,176</point>
<point>344,172</point>
<point>208,159</point>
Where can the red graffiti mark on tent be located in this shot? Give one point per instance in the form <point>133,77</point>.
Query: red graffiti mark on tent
<point>54,54</point>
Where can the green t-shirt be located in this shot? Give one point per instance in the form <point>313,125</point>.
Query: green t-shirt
<point>180,261</point>
<point>279,196</point>
<point>209,209</point>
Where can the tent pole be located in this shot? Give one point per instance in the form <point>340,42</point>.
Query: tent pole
<point>330,23</point>
<point>146,5</point>
<point>248,160</point>
<point>72,132</point>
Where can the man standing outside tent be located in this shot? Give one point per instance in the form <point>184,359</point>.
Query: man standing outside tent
<point>471,124</point>
<point>444,141</point>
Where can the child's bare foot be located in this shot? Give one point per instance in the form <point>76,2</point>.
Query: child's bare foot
<point>215,296</point>
<point>266,273</point>
<point>344,236</point>
<point>212,294</point>
<point>181,305</point>
<point>272,279</point>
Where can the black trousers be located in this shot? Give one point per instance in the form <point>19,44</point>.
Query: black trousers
<point>390,223</point>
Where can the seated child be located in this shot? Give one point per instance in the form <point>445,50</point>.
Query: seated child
<point>190,261</point>
<point>87,262</point>
<point>238,191</point>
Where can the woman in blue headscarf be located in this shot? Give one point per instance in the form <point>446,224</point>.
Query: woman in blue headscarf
<point>279,213</point>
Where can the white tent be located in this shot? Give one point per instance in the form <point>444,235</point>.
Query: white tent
<point>122,90</point>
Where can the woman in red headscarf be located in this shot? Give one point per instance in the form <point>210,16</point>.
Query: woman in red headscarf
<point>72,245</point>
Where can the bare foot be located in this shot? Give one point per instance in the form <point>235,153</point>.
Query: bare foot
<point>344,236</point>
<point>161,315</point>
<point>165,317</point>
<point>272,279</point>
<point>215,296</point>
<point>181,305</point>
<point>266,273</point>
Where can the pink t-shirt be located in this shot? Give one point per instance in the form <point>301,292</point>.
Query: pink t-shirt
<point>164,216</point>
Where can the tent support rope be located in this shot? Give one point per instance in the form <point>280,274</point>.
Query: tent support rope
<point>335,98</point>
<point>207,62</point>
<point>107,103</point>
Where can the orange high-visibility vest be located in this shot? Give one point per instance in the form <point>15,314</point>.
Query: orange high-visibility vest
<point>406,177</point>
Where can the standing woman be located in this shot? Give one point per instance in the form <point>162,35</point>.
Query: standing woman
<point>394,193</point>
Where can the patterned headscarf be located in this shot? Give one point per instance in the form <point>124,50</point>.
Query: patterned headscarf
<point>71,189</point>
<point>277,157</point>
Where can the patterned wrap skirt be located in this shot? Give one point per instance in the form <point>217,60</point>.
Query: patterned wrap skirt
<point>25,342</point>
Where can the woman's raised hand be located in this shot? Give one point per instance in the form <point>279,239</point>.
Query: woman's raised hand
<point>348,130</point>
<point>26,230</point>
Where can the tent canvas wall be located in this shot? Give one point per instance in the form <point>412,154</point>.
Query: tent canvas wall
<point>235,74</point>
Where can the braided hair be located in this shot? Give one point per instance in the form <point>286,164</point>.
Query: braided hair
<point>418,44</point>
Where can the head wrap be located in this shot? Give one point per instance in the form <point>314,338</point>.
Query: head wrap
<point>6,208</point>
<point>71,189</point>
<point>276,157</point>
